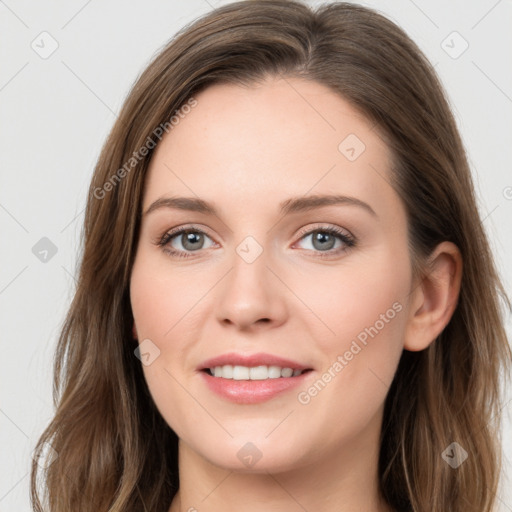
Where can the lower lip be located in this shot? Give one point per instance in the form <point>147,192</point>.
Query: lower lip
<point>252,391</point>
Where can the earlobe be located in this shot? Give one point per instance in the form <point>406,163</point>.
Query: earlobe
<point>435,298</point>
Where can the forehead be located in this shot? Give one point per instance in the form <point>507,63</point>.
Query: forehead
<point>269,141</point>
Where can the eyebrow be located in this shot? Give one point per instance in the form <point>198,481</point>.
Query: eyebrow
<point>289,206</point>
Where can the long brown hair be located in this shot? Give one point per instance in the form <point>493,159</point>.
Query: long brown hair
<point>112,449</point>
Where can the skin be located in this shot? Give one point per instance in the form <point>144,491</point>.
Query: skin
<point>246,149</point>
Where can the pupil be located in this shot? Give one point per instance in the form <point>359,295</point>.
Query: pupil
<point>192,238</point>
<point>323,238</point>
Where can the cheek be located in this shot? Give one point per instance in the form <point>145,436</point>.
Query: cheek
<point>358,325</point>
<point>365,308</point>
<point>158,297</point>
<point>152,305</point>
<point>166,307</point>
<point>357,302</point>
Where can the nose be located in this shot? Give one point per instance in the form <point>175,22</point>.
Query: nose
<point>252,297</point>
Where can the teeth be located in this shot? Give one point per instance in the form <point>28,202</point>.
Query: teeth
<point>253,373</point>
<point>286,372</point>
<point>227,371</point>
<point>274,372</point>
<point>258,373</point>
<point>239,372</point>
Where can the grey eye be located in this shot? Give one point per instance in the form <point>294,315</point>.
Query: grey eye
<point>191,240</point>
<point>322,240</point>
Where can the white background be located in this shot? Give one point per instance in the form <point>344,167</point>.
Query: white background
<point>56,113</point>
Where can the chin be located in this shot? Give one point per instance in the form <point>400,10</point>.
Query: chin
<point>254,454</point>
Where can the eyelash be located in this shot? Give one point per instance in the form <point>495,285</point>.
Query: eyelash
<point>348,240</point>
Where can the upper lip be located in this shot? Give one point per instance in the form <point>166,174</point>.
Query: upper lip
<point>252,360</point>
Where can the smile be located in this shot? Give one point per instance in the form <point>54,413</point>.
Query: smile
<point>262,372</point>
<point>252,378</point>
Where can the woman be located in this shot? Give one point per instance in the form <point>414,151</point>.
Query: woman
<point>286,298</point>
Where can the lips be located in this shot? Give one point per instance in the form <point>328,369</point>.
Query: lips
<point>251,379</point>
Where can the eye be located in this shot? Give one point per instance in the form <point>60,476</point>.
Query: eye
<point>323,240</point>
<point>181,242</point>
<point>190,239</point>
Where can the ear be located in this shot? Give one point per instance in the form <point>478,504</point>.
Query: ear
<point>134,331</point>
<point>434,298</point>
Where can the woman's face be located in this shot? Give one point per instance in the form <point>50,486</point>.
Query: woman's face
<point>263,284</point>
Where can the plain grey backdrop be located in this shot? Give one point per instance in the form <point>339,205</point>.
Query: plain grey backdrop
<point>65,70</point>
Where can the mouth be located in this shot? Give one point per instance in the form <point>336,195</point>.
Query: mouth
<point>262,372</point>
<point>252,379</point>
